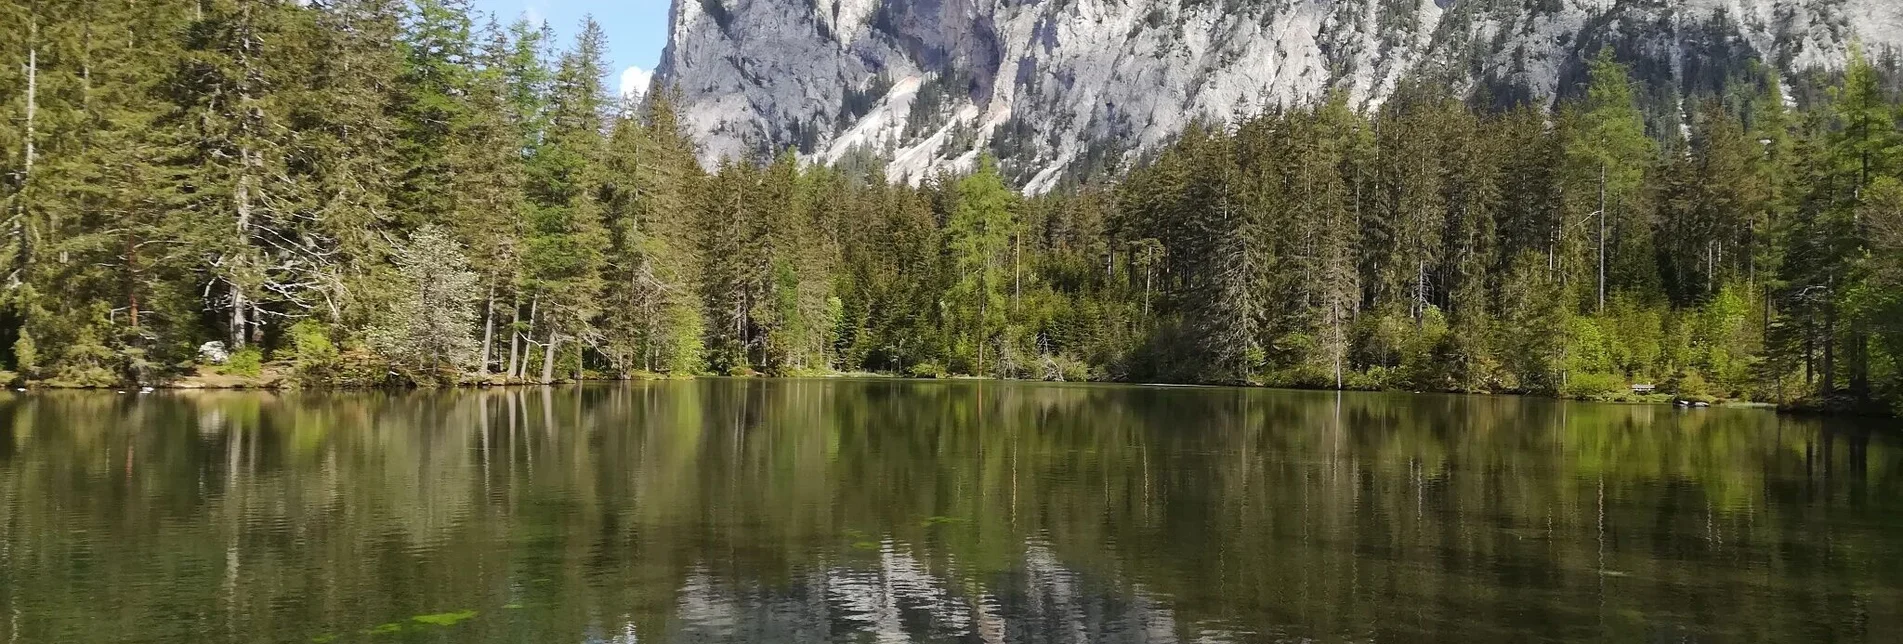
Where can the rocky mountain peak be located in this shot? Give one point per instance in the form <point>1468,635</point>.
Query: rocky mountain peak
<point>1057,88</point>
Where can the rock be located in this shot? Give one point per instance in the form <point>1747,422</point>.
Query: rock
<point>213,352</point>
<point>1050,85</point>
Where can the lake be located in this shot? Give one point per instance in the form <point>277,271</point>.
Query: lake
<point>900,511</point>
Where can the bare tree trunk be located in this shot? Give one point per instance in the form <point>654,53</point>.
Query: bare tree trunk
<point>1602,237</point>
<point>1420,292</point>
<point>488,328</point>
<point>548,357</point>
<point>32,93</point>
<point>528,336</point>
<point>237,316</point>
<point>1829,372</point>
<point>132,280</point>
<point>241,193</point>
<point>1017,279</point>
<point>515,335</point>
<point>257,323</point>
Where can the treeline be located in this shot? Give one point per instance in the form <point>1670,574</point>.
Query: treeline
<point>1756,253</point>
<point>371,191</point>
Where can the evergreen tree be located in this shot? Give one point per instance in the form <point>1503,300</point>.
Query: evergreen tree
<point>563,250</point>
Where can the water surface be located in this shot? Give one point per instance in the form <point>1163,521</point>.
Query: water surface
<point>889,511</point>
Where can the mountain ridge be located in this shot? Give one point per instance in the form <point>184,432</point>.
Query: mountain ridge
<point>1056,87</point>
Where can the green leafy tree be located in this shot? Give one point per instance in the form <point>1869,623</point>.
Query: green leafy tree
<point>978,237</point>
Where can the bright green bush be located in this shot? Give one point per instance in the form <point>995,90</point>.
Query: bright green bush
<point>1590,385</point>
<point>248,362</point>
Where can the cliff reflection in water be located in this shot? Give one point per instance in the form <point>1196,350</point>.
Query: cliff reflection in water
<point>886,511</point>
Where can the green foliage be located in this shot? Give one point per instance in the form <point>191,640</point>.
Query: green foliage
<point>26,354</point>
<point>313,355</point>
<point>1593,385</point>
<point>445,201</point>
<point>247,362</point>
<point>979,236</point>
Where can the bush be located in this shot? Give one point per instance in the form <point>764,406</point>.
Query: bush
<point>247,362</point>
<point>26,355</point>
<point>1374,378</point>
<point>925,370</point>
<point>1690,385</point>
<point>1590,385</point>
<point>312,352</point>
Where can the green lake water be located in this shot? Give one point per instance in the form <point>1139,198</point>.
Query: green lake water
<point>897,511</point>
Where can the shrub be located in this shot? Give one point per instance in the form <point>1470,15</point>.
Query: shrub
<point>247,362</point>
<point>1374,378</point>
<point>312,352</point>
<point>1690,384</point>
<point>925,370</point>
<point>1589,385</point>
<point>26,355</point>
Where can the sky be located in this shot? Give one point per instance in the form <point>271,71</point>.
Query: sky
<point>637,30</point>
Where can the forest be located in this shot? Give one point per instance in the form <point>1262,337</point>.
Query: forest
<point>375,192</point>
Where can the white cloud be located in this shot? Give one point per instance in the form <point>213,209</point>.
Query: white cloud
<point>634,82</point>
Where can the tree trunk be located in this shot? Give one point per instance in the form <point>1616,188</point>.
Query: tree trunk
<point>1602,238</point>
<point>515,335</point>
<point>528,337</point>
<point>241,192</point>
<point>488,328</point>
<point>1017,279</point>
<point>1829,374</point>
<point>132,281</point>
<point>1859,348</point>
<point>238,307</point>
<point>257,323</point>
<point>32,93</point>
<point>548,357</point>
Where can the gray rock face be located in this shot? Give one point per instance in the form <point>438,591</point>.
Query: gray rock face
<point>1053,85</point>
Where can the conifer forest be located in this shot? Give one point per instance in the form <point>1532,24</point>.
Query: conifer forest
<point>373,192</point>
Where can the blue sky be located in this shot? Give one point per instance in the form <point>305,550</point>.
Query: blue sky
<point>637,29</point>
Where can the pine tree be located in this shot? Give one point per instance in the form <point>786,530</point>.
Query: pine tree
<point>435,102</point>
<point>342,163</point>
<point>1867,146</point>
<point>651,322</point>
<point>231,97</point>
<point>1403,228</point>
<point>1475,200</point>
<point>563,249</point>
<point>487,202</point>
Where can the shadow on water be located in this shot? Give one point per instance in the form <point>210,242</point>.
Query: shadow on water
<point>889,511</point>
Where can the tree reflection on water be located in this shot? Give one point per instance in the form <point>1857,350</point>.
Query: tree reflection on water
<point>888,511</point>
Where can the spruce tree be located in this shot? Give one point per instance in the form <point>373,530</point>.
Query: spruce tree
<point>563,250</point>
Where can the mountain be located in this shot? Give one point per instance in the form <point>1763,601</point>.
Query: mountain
<point>1056,88</point>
